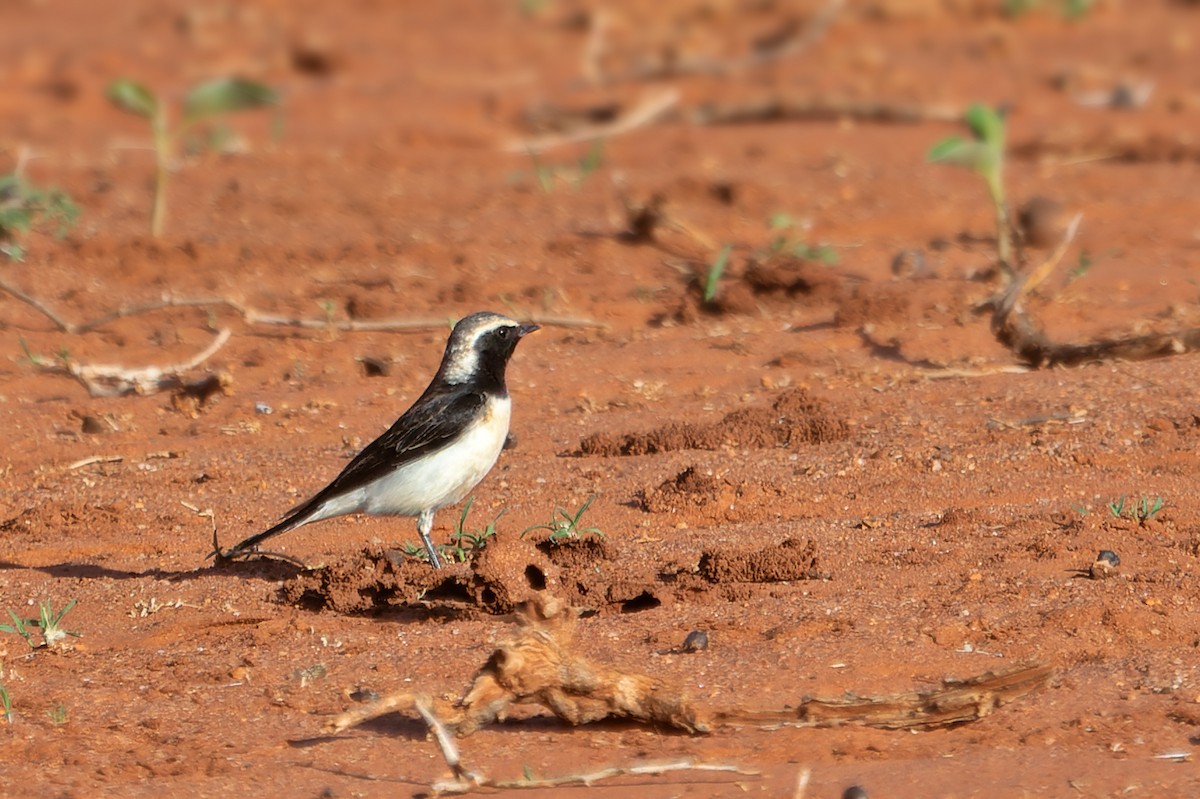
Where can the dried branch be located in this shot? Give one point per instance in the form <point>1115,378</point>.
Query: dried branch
<point>795,43</point>
<point>537,666</point>
<point>445,744</point>
<point>650,110</point>
<point>1015,329</point>
<point>592,777</point>
<point>253,316</point>
<point>777,108</point>
<point>111,380</point>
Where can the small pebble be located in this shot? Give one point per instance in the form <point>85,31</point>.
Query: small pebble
<point>92,426</point>
<point>909,264</point>
<point>696,641</point>
<point>855,792</point>
<point>1105,566</point>
<point>263,408</point>
<point>364,695</point>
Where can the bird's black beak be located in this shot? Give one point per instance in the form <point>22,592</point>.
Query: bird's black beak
<point>525,330</point>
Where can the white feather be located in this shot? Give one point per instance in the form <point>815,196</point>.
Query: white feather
<point>434,481</point>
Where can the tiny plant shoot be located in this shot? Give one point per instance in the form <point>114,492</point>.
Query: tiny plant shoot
<point>211,99</point>
<point>714,274</point>
<point>983,154</point>
<point>25,207</point>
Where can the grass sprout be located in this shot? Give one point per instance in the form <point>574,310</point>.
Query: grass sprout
<point>1141,511</point>
<point>58,714</point>
<point>464,543</point>
<point>564,525</point>
<point>713,278</point>
<point>786,239</point>
<point>49,622</point>
<point>25,207</point>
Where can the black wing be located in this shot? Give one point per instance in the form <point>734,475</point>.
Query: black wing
<point>426,426</point>
<point>430,423</point>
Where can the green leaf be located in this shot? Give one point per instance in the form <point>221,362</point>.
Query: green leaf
<point>131,96</point>
<point>781,221</point>
<point>973,155</point>
<point>710,290</point>
<point>987,125</point>
<point>225,95</point>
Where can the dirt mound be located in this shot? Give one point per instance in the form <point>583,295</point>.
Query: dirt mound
<point>777,279</point>
<point>689,488</point>
<point>791,560</point>
<point>587,573</point>
<point>794,418</point>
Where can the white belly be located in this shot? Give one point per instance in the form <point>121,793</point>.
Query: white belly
<point>444,477</point>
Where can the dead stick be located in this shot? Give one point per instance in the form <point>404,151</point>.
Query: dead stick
<point>593,777</point>
<point>380,707</point>
<point>79,464</point>
<point>445,743</point>
<point>254,316</point>
<point>644,114</point>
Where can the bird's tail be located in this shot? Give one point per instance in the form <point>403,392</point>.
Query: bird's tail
<point>294,518</point>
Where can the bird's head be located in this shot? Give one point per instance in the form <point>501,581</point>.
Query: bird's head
<point>479,348</point>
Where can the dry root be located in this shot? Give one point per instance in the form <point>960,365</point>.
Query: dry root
<point>1017,330</point>
<point>537,666</point>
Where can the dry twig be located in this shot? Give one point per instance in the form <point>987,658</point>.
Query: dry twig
<point>112,380</point>
<point>591,777</point>
<point>253,316</point>
<point>537,666</point>
<point>1017,330</point>
<point>650,110</point>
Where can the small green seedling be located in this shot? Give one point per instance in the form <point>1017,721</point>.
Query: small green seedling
<point>1141,512</point>
<point>468,542</point>
<point>211,99</point>
<point>310,675</point>
<point>465,543</point>
<point>19,627</point>
<point>25,207</point>
<point>713,278</point>
<point>5,704</point>
<point>58,714</point>
<point>576,174</point>
<point>983,154</point>
<point>1070,9</point>
<point>566,526</point>
<point>785,240</point>
<point>48,621</point>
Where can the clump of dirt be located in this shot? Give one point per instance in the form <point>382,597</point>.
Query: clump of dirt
<point>689,488</point>
<point>874,302</point>
<point>776,279</point>
<point>790,560</point>
<point>788,277</point>
<point>794,418</point>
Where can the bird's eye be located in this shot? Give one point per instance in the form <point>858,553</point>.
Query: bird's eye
<point>502,332</point>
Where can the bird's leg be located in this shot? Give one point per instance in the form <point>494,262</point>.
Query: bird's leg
<point>424,526</point>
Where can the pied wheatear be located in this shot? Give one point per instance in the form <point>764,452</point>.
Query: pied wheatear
<point>437,451</point>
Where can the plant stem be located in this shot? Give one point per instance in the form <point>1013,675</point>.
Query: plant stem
<point>1004,237</point>
<point>162,163</point>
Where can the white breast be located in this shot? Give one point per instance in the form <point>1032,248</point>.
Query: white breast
<point>444,477</point>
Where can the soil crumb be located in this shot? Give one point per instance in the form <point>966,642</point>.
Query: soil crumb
<point>791,560</point>
<point>794,418</point>
<point>689,488</point>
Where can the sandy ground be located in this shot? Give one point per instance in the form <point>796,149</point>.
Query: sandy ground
<point>890,495</point>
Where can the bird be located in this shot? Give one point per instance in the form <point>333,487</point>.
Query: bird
<point>437,451</point>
